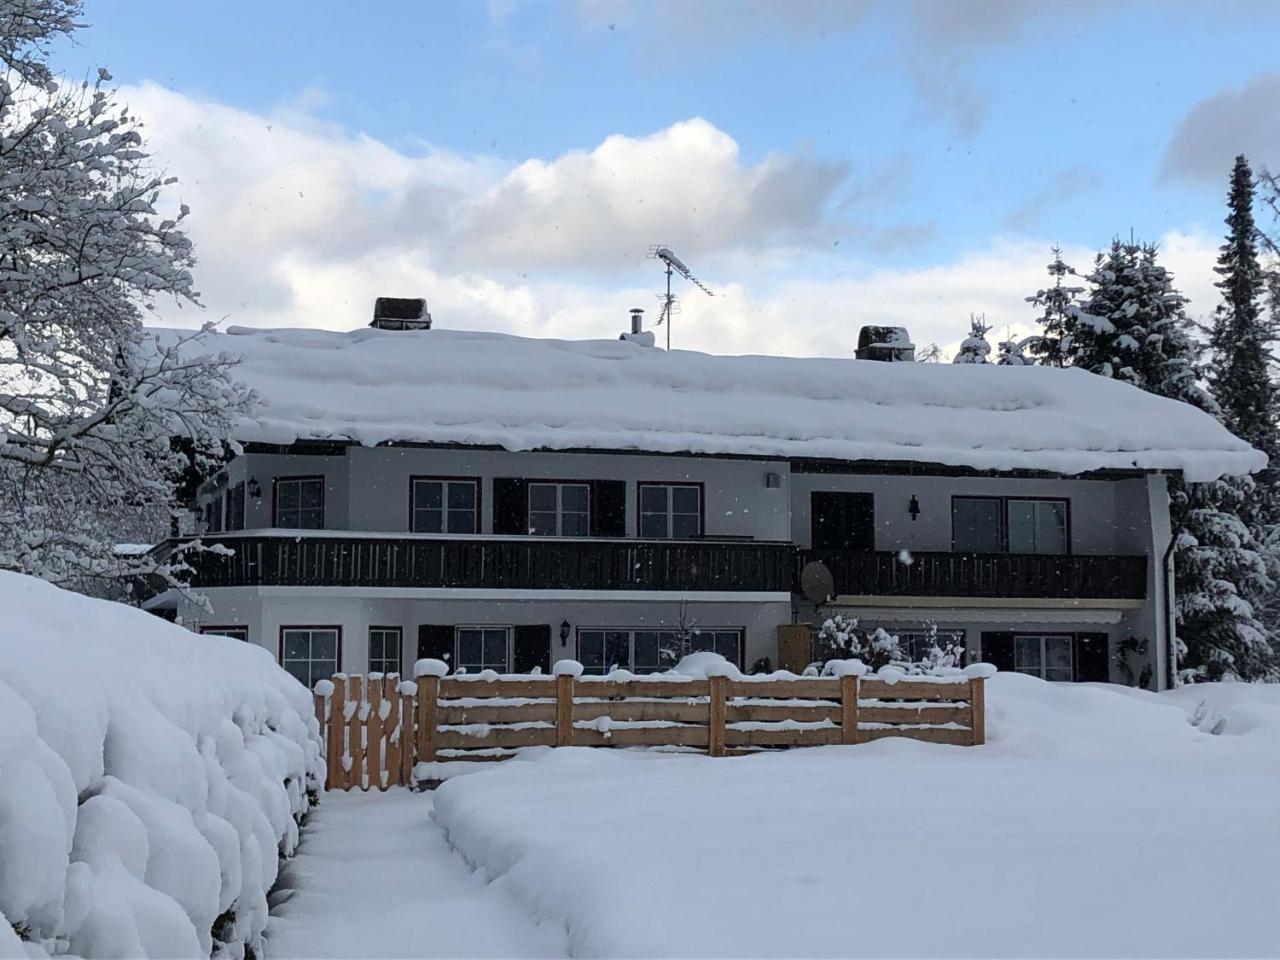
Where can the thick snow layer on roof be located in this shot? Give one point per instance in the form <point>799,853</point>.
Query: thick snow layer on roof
<point>446,386</point>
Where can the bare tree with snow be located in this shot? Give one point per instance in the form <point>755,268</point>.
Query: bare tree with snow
<point>97,419</point>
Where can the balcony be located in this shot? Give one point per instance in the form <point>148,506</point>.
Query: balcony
<point>329,559</point>
<point>982,575</point>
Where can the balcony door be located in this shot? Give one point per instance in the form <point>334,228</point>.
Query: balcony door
<point>842,521</point>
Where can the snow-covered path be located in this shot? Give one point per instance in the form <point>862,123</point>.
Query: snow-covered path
<point>374,877</point>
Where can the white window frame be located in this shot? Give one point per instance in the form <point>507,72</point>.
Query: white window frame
<point>311,660</point>
<point>278,511</point>
<point>231,631</point>
<point>1041,669</point>
<point>559,487</point>
<point>669,513</point>
<point>445,483</point>
<point>631,632</point>
<point>458,662</point>
<point>383,660</point>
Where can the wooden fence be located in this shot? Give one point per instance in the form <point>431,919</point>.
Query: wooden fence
<point>377,730</point>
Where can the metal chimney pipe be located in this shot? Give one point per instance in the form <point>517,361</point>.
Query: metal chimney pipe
<point>637,319</point>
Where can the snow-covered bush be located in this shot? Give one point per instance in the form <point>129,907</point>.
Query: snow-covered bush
<point>150,780</point>
<point>841,638</point>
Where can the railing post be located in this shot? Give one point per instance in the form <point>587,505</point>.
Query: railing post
<point>564,710</point>
<point>715,715</point>
<point>428,697</point>
<point>849,708</point>
<point>978,710</point>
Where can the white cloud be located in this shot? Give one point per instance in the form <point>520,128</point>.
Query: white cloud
<point>300,224</point>
<point>1237,120</point>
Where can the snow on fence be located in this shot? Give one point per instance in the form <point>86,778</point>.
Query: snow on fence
<point>378,730</point>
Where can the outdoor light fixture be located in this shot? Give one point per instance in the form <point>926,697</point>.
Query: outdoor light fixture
<point>564,632</point>
<point>913,508</point>
<point>255,489</point>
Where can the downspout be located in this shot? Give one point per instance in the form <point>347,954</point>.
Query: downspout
<point>1166,572</point>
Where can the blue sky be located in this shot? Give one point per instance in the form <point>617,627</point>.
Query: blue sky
<point>906,140</point>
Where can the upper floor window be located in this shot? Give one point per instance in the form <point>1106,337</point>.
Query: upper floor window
<point>299,503</point>
<point>234,514</point>
<point>213,514</point>
<point>384,649</point>
<point>560,509</point>
<point>445,506</point>
<point>1008,525</point>
<point>670,511</point>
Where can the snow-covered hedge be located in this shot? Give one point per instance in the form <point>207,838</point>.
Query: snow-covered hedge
<point>150,780</point>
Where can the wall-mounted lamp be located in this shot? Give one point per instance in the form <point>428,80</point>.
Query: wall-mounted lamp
<point>564,633</point>
<point>255,488</point>
<point>913,508</point>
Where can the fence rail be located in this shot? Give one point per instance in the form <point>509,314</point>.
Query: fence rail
<point>378,729</point>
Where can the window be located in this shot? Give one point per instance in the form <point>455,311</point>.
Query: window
<point>915,644</point>
<point>1008,525</point>
<point>559,509</point>
<point>299,503</point>
<point>310,653</point>
<point>235,507</point>
<point>1037,526</point>
<point>1046,657</point>
<point>649,651</point>
<point>670,511</point>
<point>235,633</point>
<point>483,648</point>
<point>446,506</point>
<point>213,515</point>
<point>384,649</point>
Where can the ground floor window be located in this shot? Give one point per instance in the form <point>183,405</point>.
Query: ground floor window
<point>234,632</point>
<point>384,649</point>
<point>915,644</point>
<point>649,651</point>
<point>484,648</point>
<point>310,653</point>
<point>1046,656</point>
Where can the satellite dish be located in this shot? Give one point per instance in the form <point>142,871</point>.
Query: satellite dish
<point>816,582</point>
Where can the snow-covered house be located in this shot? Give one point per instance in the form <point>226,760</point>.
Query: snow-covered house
<point>505,502</point>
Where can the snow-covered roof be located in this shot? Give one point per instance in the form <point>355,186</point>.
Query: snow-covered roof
<point>447,386</point>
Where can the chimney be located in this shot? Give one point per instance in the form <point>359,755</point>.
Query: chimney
<point>638,333</point>
<point>400,313</point>
<point>891,344</point>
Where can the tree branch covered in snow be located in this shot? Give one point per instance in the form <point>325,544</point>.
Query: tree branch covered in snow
<point>90,405</point>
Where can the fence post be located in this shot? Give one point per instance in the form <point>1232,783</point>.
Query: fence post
<point>390,751</point>
<point>373,732</point>
<point>406,733</point>
<point>356,731</point>
<point>715,715</point>
<point>849,708</point>
<point>428,695</point>
<point>336,747</point>
<point>978,710</point>
<point>564,710</point>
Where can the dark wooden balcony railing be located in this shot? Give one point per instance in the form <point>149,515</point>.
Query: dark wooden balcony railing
<point>516,563</point>
<point>986,575</point>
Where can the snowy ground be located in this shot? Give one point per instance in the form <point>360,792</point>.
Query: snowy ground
<point>1097,822</point>
<point>374,877</point>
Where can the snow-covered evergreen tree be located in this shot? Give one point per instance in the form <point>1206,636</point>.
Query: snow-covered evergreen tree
<point>974,348</point>
<point>1239,376</point>
<point>1013,353</point>
<point>1057,311</point>
<point>96,417</point>
<point>1133,326</point>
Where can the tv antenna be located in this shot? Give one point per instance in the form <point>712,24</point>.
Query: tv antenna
<point>674,265</point>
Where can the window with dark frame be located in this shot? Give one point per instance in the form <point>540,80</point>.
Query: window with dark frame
<point>445,506</point>
<point>560,509</point>
<point>670,511</point>
<point>915,644</point>
<point>1009,525</point>
<point>299,503</point>
<point>310,654</point>
<point>234,514</point>
<point>234,632</point>
<point>601,650</point>
<point>484,648</point>
<point>213,514</point>
<point>1047,656</point>
<point>384,649</point>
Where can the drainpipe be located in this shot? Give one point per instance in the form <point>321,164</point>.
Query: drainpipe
<point>1170,614</point>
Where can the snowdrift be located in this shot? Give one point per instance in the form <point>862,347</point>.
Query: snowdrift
<point>1096,822</point>
<point>150,780</point>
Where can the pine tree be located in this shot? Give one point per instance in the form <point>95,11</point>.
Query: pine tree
<point>974,348</point>
<point>1133,327</point>
<point>1058,305</point>
<point>1240,379</point>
